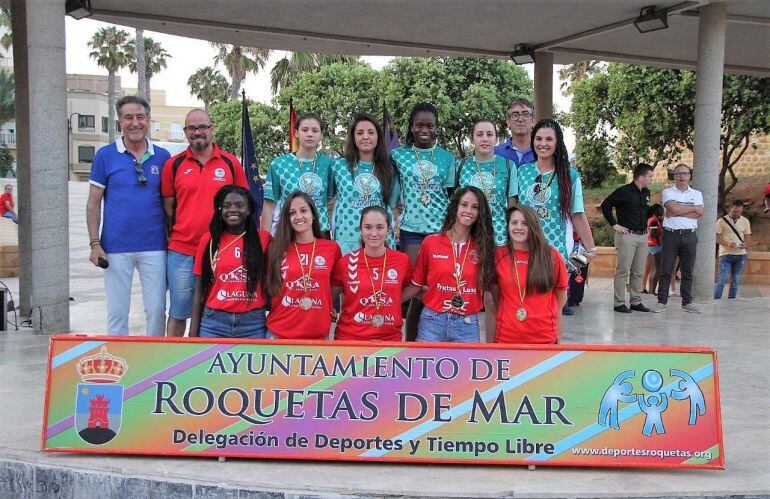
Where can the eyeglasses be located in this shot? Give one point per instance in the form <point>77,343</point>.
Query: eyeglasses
<point>681,174</point>
<point>515,115</point>
<point>194,128</point>
<point>140,176</point>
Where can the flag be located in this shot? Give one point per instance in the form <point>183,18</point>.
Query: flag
<point>389,128</point>
<point>249,159</point>
<point>293,141</point>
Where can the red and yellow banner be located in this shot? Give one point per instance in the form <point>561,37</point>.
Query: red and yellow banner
<point>576,405</point>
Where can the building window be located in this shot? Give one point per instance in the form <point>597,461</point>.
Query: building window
<point>117,126</point>
<point>155,126</point>
<point>86,121</point>
<point>86,154</point>
<point>105,122</point>
<point>175,132</point>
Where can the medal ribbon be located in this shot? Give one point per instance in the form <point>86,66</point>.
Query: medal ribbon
<point>371,279</point>
<point>539,188</point>
<point>515,272</point>
<point>487,191</point>
<point>459,274</point>
<point>305,277</point>
<point>425,180</point>
<point>214,256</point>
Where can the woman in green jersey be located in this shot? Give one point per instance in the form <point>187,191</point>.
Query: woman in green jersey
<point>426,174</point>
<point>363,177</point>
<point>306,170</point>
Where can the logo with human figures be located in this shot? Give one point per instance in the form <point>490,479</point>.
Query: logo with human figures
<point>653,401</point>
<point>99,400</point>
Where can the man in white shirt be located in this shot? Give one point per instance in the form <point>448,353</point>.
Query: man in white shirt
<point>684,206</point>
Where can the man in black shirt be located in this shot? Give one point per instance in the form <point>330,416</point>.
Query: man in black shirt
<point>631,203</point>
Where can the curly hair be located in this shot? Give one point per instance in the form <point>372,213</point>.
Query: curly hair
<point>422,107</point>
<point>482,232</point>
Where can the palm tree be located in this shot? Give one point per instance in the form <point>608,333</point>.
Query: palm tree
<point>575,72</point>
<point>141,65</point>
<point>287,70</point>
<point>208,85</point>
<point>238,62</point>
<point>109,51</point>
<point>155,59</point>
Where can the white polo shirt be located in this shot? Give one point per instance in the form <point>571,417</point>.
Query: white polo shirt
<point>691,197</point>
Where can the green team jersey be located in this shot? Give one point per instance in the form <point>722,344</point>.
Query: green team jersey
<point>287,174</point>
<point>543,197</point>
<point>493,177</point>
<point>424,175</point>
<point>353,195</point>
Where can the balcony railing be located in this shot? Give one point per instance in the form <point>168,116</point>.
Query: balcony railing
<point>8,139</point>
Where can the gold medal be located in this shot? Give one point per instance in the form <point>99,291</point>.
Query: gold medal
<point>521,314</point>
<point>378,320</point>
<point>305,303</point>
<point>457,301</point>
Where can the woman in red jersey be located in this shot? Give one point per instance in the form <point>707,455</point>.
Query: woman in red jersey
<point>229,300</point>
<point>532,283</point>
<point>372,279</point>
<point>300,264</point>
<point>456,266</point>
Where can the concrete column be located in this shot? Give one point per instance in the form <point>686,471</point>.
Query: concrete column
<point>708,117</point>
<point>39,41</point>
<point>543,85</point>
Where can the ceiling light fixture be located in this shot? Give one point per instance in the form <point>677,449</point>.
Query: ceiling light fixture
<point>523,54</point>
<point>651,19</point>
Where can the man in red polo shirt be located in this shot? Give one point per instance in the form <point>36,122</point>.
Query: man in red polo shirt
<point>189,182</point>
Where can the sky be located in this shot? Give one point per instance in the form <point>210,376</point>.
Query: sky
<point>188,55</point>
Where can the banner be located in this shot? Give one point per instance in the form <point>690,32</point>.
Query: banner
<point>575,405</point>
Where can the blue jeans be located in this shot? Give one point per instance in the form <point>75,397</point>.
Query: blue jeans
<point>181,285</point>
<point>118,277</point>
<point>12,216</point>
<point>446,327</point>
<point>729,264</point>
<point>219,324</point>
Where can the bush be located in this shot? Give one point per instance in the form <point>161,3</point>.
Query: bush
<point>6,163</point>
<point>604,235</point>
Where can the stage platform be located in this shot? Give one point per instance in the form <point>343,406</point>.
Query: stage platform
<point>738,329</point>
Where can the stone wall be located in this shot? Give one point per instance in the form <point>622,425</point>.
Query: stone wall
<point>755,161</point>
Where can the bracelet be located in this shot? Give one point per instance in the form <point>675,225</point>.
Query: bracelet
<point>591,250</point>
<point>94,243</point>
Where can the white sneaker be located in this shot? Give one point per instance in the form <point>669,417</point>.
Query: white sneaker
<point>658,308</point>
<point>690,308</point>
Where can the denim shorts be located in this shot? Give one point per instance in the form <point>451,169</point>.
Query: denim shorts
<point>654,250</point>
<point>447,327</point>
<point>407,238</point>
<point>220,324</point>
<point>181,285</point>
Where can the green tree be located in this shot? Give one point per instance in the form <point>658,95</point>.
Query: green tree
<point>7,97</point>
<point>336,92</point>
<point>270,138</point>
<point>238,62</point>
<point>6,39</point>
<point>208,85</point>
<point>287,70</point>
<point>155,59</point>
<point>463,89</point>
<point>6,163</point>
<point>578,71</point>
<point>648,114</point>
<point>109,52</point>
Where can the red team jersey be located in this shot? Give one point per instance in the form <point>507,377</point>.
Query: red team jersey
<point>228,292</point>
<point>286,319</point>
<point>194,188</point>
<point>362,291</point>
<point>542,322</point>
<point>435,269</point>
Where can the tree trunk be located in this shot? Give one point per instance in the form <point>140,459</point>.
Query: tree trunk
<point>147,89</point>
<point>206,106</point>
<point>142,88</point>
<point>110,106</point>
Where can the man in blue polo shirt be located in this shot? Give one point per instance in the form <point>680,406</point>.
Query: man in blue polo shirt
<point>126,175</point>
<point>520,117</point>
